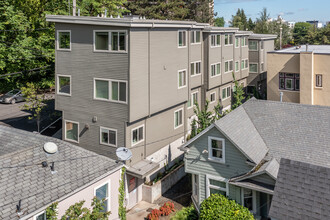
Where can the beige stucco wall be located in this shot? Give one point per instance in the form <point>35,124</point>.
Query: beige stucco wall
<point>322,66</point>
<point>87,194</point>
<point>288,63</point>
<point>306,78</point>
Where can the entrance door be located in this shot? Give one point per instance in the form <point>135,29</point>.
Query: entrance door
<point>132,191</point>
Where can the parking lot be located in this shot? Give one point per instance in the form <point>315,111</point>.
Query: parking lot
<point>12,115</point>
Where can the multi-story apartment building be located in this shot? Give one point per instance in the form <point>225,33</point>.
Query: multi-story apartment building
<point>300,74</point>
<point>129,82</point>
<point>259,45</point>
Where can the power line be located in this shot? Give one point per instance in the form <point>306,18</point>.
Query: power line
<point>31,70</point>
<point>26,30</point>
<point>26,58</point>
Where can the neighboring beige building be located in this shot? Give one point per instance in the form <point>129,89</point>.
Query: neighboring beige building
<point>300,74</point>
<point>259,45</point>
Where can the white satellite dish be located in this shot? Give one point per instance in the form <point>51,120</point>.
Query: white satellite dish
<point>50,148</point>
<point>123,154</point>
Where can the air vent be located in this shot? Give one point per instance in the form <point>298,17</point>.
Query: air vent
<point>50,148</point>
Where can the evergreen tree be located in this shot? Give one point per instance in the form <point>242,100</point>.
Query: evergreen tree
<point>239,20</point>
<point>302,33</point>
<point>262,22</point>
<point>251,25</point>
<point>219,22</point>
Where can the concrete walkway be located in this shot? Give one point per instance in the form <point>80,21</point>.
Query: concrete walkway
<point>140,211</point>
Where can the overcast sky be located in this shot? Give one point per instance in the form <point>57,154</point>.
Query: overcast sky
<point>290,10</point>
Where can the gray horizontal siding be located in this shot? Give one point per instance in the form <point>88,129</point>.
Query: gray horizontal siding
<point>264,178</point>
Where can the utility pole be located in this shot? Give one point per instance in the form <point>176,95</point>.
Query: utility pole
<point>281,38</point>
<point>74,7</point>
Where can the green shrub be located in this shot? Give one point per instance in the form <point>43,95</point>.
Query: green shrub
<point>187,213</point>
<point>219,207</point>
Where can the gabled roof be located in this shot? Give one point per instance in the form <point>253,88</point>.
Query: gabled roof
<point>302,191</point>
<point>239,129</point>
<point>22,176</point>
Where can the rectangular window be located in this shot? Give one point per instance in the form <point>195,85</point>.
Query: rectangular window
<point>244,41</point>
<point>64,40</point>
<point>111,90</point>
<point>216,185</point>
<point>318,78</point>
<point>182,38</point>
<point>72,131</point>
<point>228,39</point>
<point>226,92</point>
<point>195,37</point>
<point>242,64</point>
<point>253,45</point>
<point>137,135</point>
<point>216,148</point>
<point>248,199</point>
<point>195,186</point>
<point>228,66</point>
<point>194,98</point>
<point>182,76</point>
<point>63,85</point>
<point>289,81</point>
<point>215,69</point>
<point>102,193</point>
<point>108,136</point>
<point>212,97</point>
<point>195,68</point>
<point>215,40</point>
<point>178,118</point>
<point>236,66</point>
<point>40,216</point>
<point>101,41</point>
<point>118,41</point>
<point>236,42</point>
<point>253,68</point>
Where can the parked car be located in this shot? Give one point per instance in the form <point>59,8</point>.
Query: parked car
<point>12,97</point>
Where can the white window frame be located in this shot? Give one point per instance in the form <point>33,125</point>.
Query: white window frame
<point>192,99</point>
<point>195,67</point>
<point>193,186</point>
<point>246,43</point>
<point>229,71</point>
<point>254,200</point>
<point>186,42</point>
<point>229,44</point>
<point>253,64</point>
<point>216,159</point>
<point>215,97</point>
<point>216,74</point>
<point>43,212</point>
<point>110,129</point>
<point>138,127</point>
<point>256,43</point>
<point>237,70</point>
<point>226,88</point>
<point>109,192</point>
<point>194,32</point>
<point>58,42</point>
<point>245,61</point>
<point>58,85</point>
<point>239,39</point>
<point>65,138</point>
<point>180,109</point>
<point>110,43</point>
<point>215,40</point>
<point>216,178</point>
<point>185,85</point>
<point>110,90</point>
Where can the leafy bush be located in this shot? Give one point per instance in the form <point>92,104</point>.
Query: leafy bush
<point>154,215</point>
<point>167,209</point>
<point>187,213</point>
<point>219,207</point>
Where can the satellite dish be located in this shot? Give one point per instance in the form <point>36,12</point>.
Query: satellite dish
<point>123,153</point>
<point>50,148</point>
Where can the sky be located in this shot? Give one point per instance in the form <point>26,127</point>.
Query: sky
<point>290,10</point>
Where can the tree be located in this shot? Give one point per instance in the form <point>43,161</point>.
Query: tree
<point>300,32</point>
<point>77,211</point>
<point>239,20</point>
<point>219,22</point>
<point>238,94</point>
<point>34,102</point>
<point>204,117</point>
<point>218,206</point>
<point>262,22</point>
<point>251,25</point>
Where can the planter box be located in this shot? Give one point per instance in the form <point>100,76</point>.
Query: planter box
<point>151,193</point>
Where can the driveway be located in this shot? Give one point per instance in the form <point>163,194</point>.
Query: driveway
<point>12,115</point>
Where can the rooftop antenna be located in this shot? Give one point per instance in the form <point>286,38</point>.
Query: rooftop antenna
<point>52,168</point>
<point>123,154</point>
<point>69,7</point>
<point>18,207</point>
<point>78,11</point>
<point>105,13</point>
<point>281,96</point>
<point>74,7</point>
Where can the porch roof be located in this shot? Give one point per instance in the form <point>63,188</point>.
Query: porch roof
<point>254,185</point>
<point>142,168</point>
